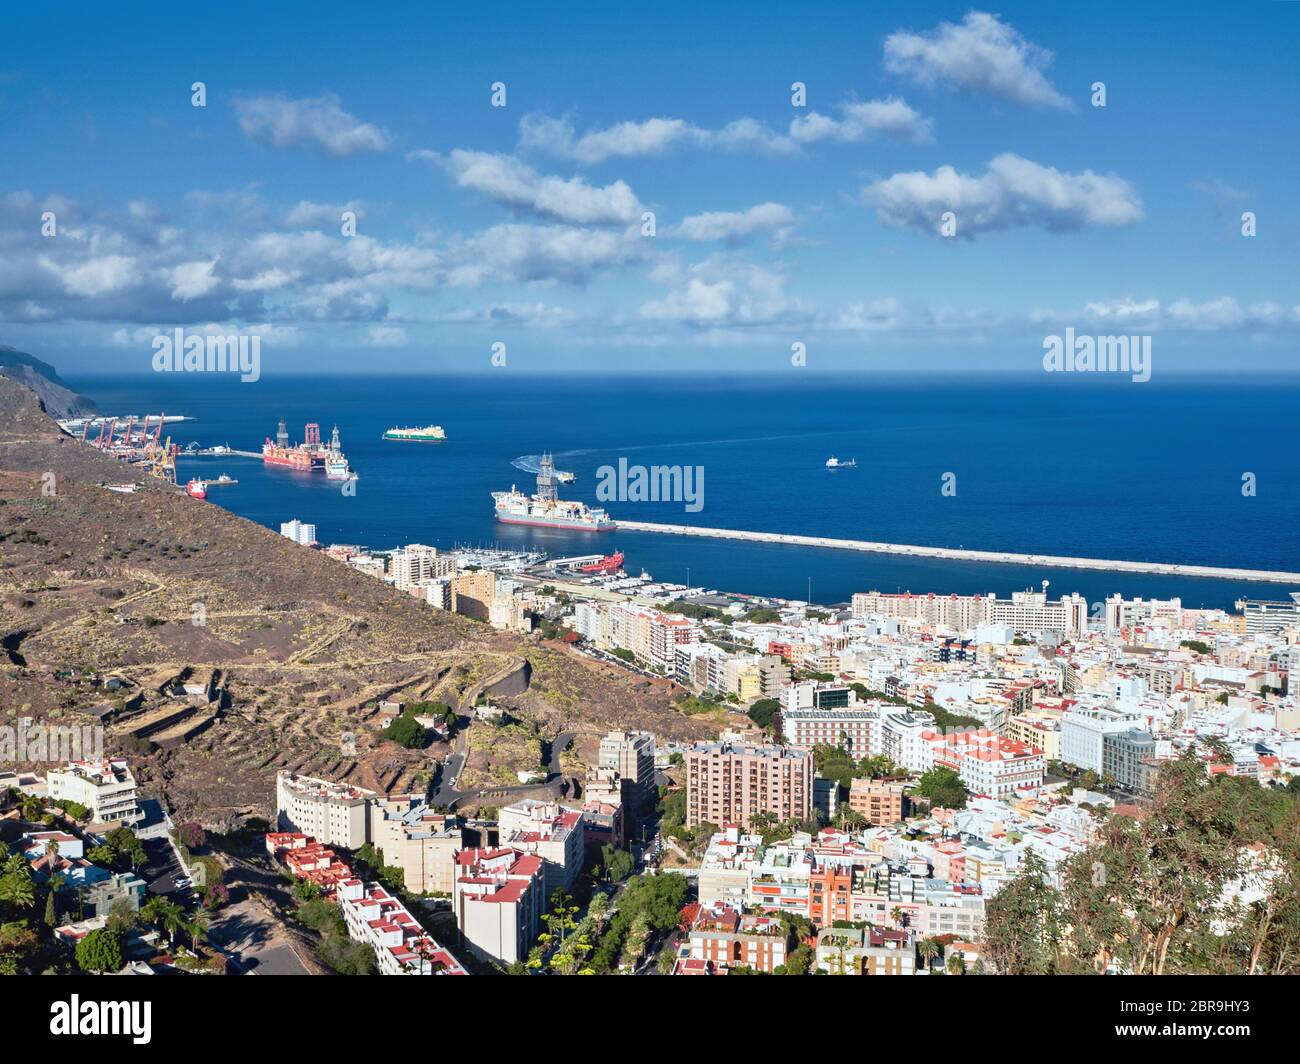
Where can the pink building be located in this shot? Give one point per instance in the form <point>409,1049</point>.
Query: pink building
<point>730,783</point>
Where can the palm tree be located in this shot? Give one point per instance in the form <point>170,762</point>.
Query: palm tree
<point>16,885</point>
<point>956,964</point>
<point>196,928</point>
<point>166,914</point>
<point>929,949</point>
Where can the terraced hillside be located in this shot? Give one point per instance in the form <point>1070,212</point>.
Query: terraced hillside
<point>159,590</point>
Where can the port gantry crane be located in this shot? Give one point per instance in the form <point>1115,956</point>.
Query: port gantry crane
<point>159,458</point>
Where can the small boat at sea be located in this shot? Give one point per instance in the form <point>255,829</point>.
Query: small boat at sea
<point>837,463</point>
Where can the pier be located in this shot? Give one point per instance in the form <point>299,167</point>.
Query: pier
<point>1209,572</point>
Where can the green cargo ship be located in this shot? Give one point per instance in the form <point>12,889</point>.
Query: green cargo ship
<point>428,434</point>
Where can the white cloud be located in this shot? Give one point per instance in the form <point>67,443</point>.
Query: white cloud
<point>96,276</point>
<point>1012,193</point>
<point>874,315</point>
<point>317,122</point>
<point>190,280</point>
<point>720,293</point>
<point>1121,312</point>
<point>1217,313</point>
<point>506,180</point>
<point>386,336</point>
<point>893,118</point>
<point>543,253</point>
<point>981,54</point>
<point>734,226</point>
<point>556,137</point>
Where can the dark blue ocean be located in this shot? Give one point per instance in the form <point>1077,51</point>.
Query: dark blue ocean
<point>1067,466</point>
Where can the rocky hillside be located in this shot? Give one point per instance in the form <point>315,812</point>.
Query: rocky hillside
<point>160,590</point>
<point>58,400</point>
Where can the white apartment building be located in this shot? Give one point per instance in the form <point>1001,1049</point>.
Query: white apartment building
<point>1025,611</point>
<point>298,531</point>
<point>335,814</point>
<point>591,621</point>
<point>989,764</point>
<point>415,563</point>
<point>105,787</point>
<point>1083,734</point>
<point>902,738</point>
<point>550,831</point>
<point>402,947</point>
<point>1128,613</point>
<point>499,900</point>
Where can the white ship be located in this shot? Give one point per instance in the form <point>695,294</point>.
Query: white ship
<point>546,509</point>
<point>837,463</point>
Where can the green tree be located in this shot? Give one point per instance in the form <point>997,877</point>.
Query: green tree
<point>619,864</point>
<point>764,711</point>
<point>406,731</point>
<point>560,919</point>
<point>1023,923</point>
<point>17,889</point>
<point>944,787</point>
<point>99,952</point>
<point>17,946</point>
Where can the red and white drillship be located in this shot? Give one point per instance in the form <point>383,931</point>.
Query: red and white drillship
<point>197,489</point>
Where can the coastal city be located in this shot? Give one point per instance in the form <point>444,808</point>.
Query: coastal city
<point>876,775</point>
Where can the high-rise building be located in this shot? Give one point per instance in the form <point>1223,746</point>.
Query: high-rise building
<point>415,564</point>
<point>298,531</point>
<point>472,593</point>
<point>632,755</point>
<point>730,783</point>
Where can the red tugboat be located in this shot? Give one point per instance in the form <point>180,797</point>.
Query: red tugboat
<point>611,563</point>
<point>197,489</point>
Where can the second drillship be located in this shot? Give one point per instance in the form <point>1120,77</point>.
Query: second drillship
<point>546,509</point>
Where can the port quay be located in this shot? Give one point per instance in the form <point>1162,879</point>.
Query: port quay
<point>954,554</point>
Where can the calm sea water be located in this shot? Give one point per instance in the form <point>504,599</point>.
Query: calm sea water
<point>1069,466</point>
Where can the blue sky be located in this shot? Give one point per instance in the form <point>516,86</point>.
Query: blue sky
<point>774,224</point>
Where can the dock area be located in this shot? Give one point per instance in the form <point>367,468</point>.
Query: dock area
<point>1211,572</point>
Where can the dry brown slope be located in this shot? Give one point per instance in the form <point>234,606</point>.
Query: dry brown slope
<point>153,583</point>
